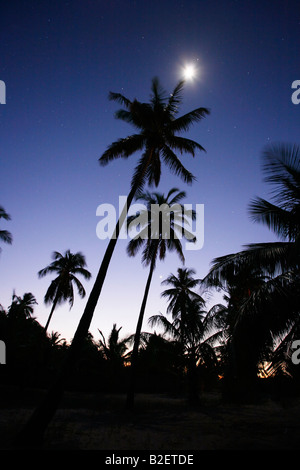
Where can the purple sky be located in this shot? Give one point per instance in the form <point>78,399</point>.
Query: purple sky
<point>60,59</point>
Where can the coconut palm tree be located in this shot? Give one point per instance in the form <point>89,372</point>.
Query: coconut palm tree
<point>114,348</point>
<point>5,236</point>
<point>158,126</point>
<point>182,299</point>
<point>22,306</point>
<point>66,267</point>
<point>157,236</point>
<point>272,303</point>
<point>181,294</point>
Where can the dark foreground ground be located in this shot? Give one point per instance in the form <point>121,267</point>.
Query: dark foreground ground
<point>159,422</point>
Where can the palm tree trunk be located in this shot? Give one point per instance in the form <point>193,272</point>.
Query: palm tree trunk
<point>34,429</point>
<point>192,378</point>
<point>52,310</point>
<point>134,359</point>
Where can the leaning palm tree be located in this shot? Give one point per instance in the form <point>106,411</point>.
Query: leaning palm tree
<point>5,236</point>
<point>158,125</point>
<point>66,267</point>
<point>162,223</point>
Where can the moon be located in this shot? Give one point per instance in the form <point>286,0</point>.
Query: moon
<point>189,72</point>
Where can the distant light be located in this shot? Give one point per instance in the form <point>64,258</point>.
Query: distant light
<point>189,72</point>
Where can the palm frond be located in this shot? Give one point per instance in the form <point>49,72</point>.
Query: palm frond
<point>3,214</point>
<point>183,123</point>
<point>122,148</point>
<point>279,220</point>
<point>80,288</point>
<point>175,99</point>
<point>158,96</point>
<point>119,98</point>
<point>269,257</point>
<point>175,165</point>
<point>184,145</point>
<point>139,177</point>
<point>6,236</point>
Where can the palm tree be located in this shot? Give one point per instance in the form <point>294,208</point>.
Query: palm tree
<point>180,295</point>
<point>115,348</point>
<point>157,124</point>
<point>22,306</point>
<point>272,303</point>
<point>5,236</point>
<point>156,236</point>
<point>182,300</point>
<point>67,266</point>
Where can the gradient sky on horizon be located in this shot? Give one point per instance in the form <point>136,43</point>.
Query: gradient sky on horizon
<point>59,60</point>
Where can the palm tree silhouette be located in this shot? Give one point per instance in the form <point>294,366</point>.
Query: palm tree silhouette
<point>61,288</point>
<point>182,303</point>
<point>157,123</point>
<point>5,236</point>
<point>22,306</point>
<point>157,236</point>
<point>114,348</point>
<point>181,295</point>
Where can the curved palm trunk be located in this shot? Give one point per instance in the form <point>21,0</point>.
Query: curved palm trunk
<point>33,432</point>
<point>51,313</point>
<point>134,359</point>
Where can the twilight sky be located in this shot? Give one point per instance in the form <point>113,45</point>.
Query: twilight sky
<point>60,59</point>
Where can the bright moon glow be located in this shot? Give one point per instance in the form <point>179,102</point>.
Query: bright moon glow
<point>189,72</point>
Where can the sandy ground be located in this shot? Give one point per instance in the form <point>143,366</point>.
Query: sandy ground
<point>97,422</point>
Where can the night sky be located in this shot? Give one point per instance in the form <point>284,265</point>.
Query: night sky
<point>59,60</point>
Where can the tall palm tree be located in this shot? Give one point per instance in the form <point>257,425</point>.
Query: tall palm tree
<point>158,126</point>
<point>273,305</point>
<point>5,236</point>
<point>66,267</point>
<point>157,236</point>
